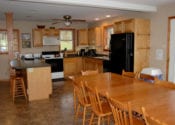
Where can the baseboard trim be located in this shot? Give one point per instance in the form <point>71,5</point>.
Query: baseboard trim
<point>4,80</point>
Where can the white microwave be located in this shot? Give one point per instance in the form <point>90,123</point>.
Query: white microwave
<point>50,40</point>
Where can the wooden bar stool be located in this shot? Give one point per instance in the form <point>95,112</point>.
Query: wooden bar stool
<point>18,87</point>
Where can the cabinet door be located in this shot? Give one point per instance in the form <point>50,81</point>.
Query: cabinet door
<point>82,37</point>
<point>98,35</point>
<point>91,36</point>
<point>72,66</point>
<point>50,32</point>
<point>93,64</point>
<point>118,27</point>
<point>37,38</point>
<point>128,26</point>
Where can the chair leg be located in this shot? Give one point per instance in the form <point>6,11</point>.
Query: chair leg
<point>84,115</point>
<point>13,89</point>
<point>99,120</point>
<point>92,117</point>
<point>24,89</point>
<point>75,101</point>
<point>76,114</point>
<point>108,120</point>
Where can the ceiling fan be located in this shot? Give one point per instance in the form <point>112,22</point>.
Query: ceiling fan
<point>67,19</point>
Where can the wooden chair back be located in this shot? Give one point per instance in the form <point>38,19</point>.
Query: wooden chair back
<point>94,99</point>
<point>121,112</point>
<point>128,74</point>
<point>89,72</point>
<point>166,84</point>
<point>81,93</point>
<point>149,120</point>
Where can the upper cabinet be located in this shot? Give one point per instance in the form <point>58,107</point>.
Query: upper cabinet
<point>50,32</point>
<point>39,33</point>
<point>141,30</point>
<point>82,36</point>
<point>124,26</point>
<point>37,38</point>
<point>94,36</point>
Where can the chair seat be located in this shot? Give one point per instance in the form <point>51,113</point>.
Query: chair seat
<point>105,108</point>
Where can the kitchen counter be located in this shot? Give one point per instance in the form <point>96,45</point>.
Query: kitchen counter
<point>37,77</point>
<point>95,57</point>
<point>24,64</point>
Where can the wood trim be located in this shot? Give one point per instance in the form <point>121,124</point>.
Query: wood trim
<point>104,35</point>
<point>168,46</point>
<point>9,27</point>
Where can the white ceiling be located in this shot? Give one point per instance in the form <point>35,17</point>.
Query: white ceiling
<point>46,10</point>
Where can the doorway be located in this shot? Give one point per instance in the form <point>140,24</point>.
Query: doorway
<point>171,50</point>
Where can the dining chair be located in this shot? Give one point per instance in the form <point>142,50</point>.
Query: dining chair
<point>128,74</point>
<point>89,72</point>
<point>165,84</point>
<point>149,120</point>
<point>82,100</point>
<point>72,78</point>
<point>122,113</point>
<point>100,108</point>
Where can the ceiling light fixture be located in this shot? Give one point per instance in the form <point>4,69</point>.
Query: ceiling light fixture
<point>67,23</point>
<point>67,20</point>
<point>108,16</point>
<point>96,19</point>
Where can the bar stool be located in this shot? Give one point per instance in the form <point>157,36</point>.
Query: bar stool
<point>17,86</point>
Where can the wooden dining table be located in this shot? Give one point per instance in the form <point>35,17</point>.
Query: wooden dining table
<point>158,101</point>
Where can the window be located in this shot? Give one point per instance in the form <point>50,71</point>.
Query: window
<point>3,42</point>
<point>108,30</point>
<point>66,39</point>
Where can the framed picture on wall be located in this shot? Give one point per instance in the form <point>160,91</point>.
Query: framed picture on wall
<point>26,40</point>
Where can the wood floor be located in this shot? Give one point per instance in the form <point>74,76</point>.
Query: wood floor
<point>58,110</point>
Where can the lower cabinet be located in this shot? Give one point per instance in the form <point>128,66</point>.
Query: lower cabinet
<point>92,64</point>
<point>72,66</point>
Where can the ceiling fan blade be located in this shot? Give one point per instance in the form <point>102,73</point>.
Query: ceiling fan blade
<point>78,20</point>
<point>56,22</point>
<point>58,19</point>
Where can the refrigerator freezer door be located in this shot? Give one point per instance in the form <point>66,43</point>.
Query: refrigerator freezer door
<point>122,52</point>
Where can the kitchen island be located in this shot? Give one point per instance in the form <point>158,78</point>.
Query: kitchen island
<point>37,77</point>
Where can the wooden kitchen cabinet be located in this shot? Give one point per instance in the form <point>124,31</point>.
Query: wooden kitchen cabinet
<point>37,38</point>
<point>141,30</point>
<point>82,36</point>
<point>92,64</point>
<point>125,26</point>
<point>50,32</point>
<point>39,33</point>
<point>72,66</point>
<point>95,36</point>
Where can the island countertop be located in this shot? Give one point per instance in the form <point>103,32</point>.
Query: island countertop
<point>23,64</point>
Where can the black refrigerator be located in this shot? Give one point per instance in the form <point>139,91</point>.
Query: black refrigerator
<point>122,52</point>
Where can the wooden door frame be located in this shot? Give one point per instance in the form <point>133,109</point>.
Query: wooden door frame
<point>168,46</point>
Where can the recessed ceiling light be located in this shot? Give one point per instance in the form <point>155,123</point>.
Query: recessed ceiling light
<point>96,19</point>
<point>108,16</point>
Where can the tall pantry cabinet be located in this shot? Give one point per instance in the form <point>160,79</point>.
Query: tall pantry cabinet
<point>141,29</point>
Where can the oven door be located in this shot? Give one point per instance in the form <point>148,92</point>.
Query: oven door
<point>56,68</point>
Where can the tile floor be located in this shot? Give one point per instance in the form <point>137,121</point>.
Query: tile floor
<point>58,110</point>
